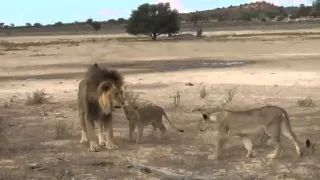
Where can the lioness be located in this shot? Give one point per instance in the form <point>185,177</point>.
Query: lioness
<point>99,93</point>
<point>143,115</point>
<point>273,120</point>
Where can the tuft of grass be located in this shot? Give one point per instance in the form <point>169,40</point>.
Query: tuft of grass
<point>203,92</point>
<point>176,99</point>
<point>37,97</point>
<point>61,129</point>
<point>9,174</point>
<point>3,139</point>
<point>306,102</point>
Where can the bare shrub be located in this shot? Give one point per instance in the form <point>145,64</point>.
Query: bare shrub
<point>176,99</point>
<point>61,129</point>
<point>203,92</point>
<point>37,97</point>
<point>305,102</point>
<point>229,99</point>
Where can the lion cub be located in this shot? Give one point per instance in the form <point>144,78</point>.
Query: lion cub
<point>144,115</point>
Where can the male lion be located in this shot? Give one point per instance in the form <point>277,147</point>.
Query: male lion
<point>99,93</point>
<point>143,115</point>
<point>273,120</point>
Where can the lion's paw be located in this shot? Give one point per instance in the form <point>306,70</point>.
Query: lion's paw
<point>83,141</point>
<point>111,146</point>
<point>272,156</point>
<point>102,143</point>
<point>93,147</point>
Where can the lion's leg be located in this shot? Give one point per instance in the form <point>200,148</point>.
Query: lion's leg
<point>248,145</point>
<point>274,132</point>
<point>287,132</point>
<point>102,141</point>
<point>91,135</point>
<point>84,138</point>
<point>108,125</point>
<point>163,131</point>
<point>140,134</point>
<point>221,141</point>
<point>132,127</point>
<point>154,129</point>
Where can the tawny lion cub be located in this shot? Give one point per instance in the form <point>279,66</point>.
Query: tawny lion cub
<point>144,115</point>
<point>273,120</point>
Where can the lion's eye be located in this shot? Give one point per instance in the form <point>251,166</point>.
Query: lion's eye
<point>116,93</point>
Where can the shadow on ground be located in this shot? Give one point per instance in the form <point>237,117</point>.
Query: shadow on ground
<point>136,67</point>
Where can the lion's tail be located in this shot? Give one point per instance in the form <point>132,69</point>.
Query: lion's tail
<point>166,116</point>
<point>286,119</point>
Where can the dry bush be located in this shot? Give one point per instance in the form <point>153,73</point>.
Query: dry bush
<point>37,97</point>
<point>61,129</point>
<point>203,92</point>
<point>229,99</point>
<point>176,99</point>
<point>306,102</point>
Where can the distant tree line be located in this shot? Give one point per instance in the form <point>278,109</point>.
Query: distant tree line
<point>96,25</point>
<point>157,19</point>
<point>254,11</point>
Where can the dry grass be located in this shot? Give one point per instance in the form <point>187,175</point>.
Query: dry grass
<point>14,46</point>
<point>37,97</point>
<point>3,139</point>
<point>61,129</point>
<point>306,102</point>
<point>176,99</point>
<point>8,174</point>
<point>203,92</point>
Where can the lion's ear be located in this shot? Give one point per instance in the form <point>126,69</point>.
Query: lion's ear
<point>105,86</point>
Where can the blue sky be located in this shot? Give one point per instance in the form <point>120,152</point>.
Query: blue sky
<point>19,12</point>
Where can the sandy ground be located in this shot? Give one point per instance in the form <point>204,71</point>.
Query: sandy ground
<point>276,71</point>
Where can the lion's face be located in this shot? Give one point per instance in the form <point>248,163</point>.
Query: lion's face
<point>118,97</point>
<point>130,112</point>
<point>110,96</point>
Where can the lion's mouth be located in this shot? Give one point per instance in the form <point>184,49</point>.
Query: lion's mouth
<point>118,107</point>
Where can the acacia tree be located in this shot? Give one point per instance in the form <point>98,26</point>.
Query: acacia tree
<point>153,20</point>
<point>315,12</point>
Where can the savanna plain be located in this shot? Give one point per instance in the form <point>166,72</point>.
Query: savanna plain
<point>40,129</point>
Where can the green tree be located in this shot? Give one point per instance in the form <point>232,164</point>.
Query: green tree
<point>89,21</point>
<point>153,20</point>
<point>28,24</point>
<point>112,21</point>
<point>37,25</point>
<point>121,20</point>
<point>96,25</point>
<point>58,23</point>
<point>315,11</point>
